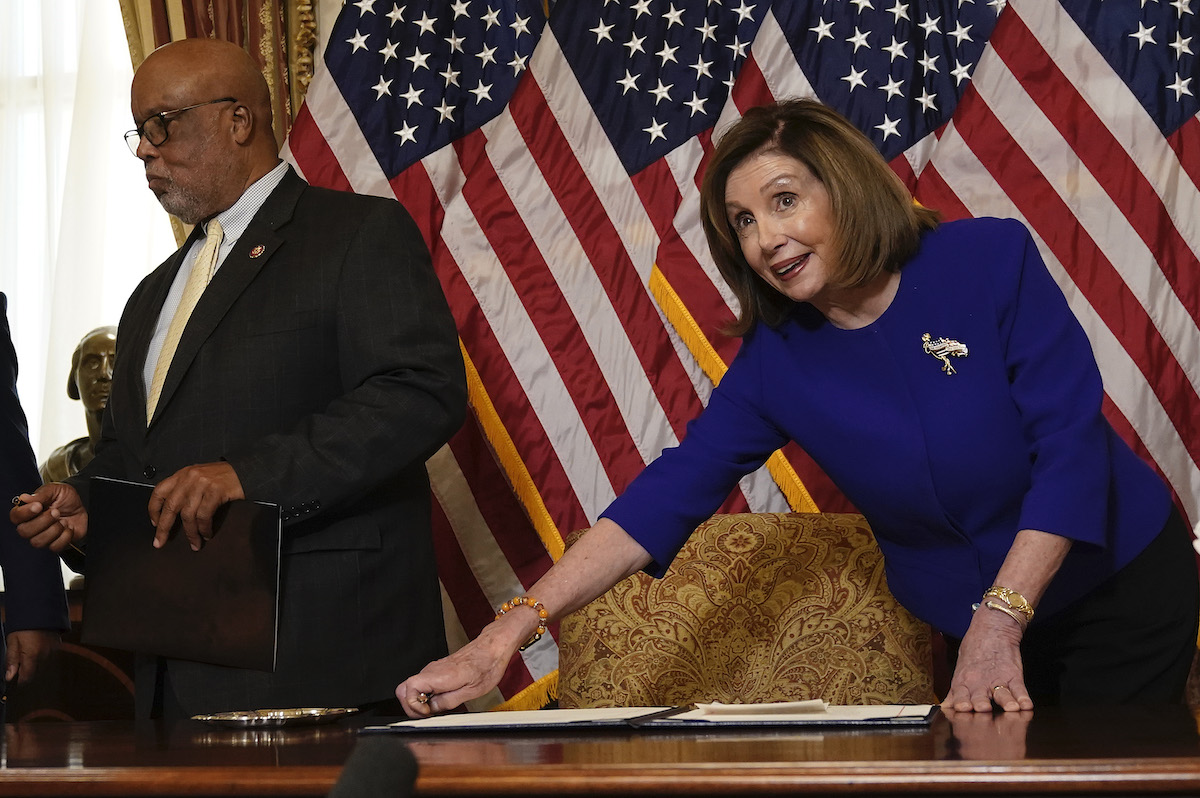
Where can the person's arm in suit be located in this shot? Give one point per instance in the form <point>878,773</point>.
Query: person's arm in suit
<point>34,602</point>
<point>54,515</point>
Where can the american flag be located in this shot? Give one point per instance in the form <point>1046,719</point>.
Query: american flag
<point>554,165</point>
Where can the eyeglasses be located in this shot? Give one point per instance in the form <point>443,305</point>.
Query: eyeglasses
<point>155,126</point>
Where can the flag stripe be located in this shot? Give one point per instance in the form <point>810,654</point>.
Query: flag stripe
<point>548,310</point>
<point>1108,96</point>
<point>519,343</point>
<point>524,555</point>
<point>312,154</point>
<point>1185,143</point>
<point>1066,233</point>
<point>600,246</point>
<point>1124,381</point>
<point>1106,161</point>
<point>510,401</point>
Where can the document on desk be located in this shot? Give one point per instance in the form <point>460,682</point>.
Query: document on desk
<point>218,605</point>
<point>696,716</point>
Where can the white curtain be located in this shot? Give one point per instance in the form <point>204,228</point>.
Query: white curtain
<point>78,227</point>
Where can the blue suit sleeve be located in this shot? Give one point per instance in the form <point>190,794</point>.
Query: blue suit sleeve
<point>33,588</point>
<point>686,484</point>
<point>1057,388</point>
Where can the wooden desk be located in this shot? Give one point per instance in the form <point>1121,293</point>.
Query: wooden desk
<point>1047,752</point>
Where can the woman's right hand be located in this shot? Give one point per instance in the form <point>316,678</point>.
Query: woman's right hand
<point>601,558</point>
<point>472,671</point>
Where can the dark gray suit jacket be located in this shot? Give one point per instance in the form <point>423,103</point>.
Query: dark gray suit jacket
<point>33,587</point>
<point>322,363</point>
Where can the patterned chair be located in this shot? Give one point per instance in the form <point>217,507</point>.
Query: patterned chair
<point>756,607</point>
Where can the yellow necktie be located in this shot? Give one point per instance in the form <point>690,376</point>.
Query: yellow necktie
<point>197,281</point>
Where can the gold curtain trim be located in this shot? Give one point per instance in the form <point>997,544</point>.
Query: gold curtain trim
<point>302,19</point>
<point>785,476</point>
<point>130,17</point>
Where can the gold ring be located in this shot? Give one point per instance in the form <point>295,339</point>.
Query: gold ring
<point>994,689</point>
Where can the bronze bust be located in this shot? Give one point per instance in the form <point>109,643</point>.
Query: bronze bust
<point>89,381</point>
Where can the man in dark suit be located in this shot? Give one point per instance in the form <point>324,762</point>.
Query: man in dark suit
<point>35,607</point>
<point>318,370</point>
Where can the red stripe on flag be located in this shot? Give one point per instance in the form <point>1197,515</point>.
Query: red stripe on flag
<point>498,505</point>
<point>704,139</point>
<point>508,398</point>
<point>1103,155</point>
<point>417,194</point>
<point>605,252</point>
<point>660,195</point>
<point>933,192</point>
<point>751,87</point>
<point>904,171</point>
<point>470,604</point>
<point>1083,260</point>
<point>1186,143</point>
<point>548,310</point>
<point>313,155</point>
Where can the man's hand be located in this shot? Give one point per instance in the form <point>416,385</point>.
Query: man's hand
<point>192,495</point>
<point>26,650</point>
<point>52,516</point>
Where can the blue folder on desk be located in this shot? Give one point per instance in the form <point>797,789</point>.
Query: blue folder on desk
<point>218,605</point>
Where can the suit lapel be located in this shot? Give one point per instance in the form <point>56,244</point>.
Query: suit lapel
<point>133,342</point>
<point>248,257</point>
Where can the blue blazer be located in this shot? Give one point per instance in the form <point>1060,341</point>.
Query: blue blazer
<point>947,467</point>
<point>33,587</point>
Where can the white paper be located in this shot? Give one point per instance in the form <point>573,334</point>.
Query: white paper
<point>716,708</point>
<point>832,713</point>
<point>527,717</point>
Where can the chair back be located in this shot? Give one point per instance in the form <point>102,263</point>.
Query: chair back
<point>757,607</point>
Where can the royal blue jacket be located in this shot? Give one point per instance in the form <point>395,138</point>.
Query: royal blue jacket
<point>946,467</point>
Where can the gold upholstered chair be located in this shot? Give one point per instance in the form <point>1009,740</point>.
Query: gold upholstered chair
<point>757,607</point>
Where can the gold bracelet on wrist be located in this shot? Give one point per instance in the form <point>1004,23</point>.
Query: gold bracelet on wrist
<point>1013,599</point>
<point>992,605</point>
<point>528,601</point>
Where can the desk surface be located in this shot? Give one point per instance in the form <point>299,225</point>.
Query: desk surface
<point>1130,750</point>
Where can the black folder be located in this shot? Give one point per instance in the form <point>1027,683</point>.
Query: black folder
<point>219,605</point>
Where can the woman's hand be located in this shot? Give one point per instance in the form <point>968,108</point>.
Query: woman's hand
<point>989,666</point>
<point>600,559</point>
<point>468,673</point>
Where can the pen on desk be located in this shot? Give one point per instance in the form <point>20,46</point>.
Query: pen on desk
<point>642,720</point>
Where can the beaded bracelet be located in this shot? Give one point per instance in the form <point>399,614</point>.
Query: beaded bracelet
<point>528,601</point>
<point>1013,599</point>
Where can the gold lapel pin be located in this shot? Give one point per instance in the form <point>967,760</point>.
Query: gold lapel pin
<point>258,250</point>
<point>943,349</point>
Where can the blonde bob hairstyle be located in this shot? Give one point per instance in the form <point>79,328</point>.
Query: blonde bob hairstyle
<point>877,226</point>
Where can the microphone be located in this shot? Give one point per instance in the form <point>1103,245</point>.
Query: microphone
<point>380,766</point>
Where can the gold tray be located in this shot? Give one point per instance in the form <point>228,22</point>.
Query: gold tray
<point>272,718</point>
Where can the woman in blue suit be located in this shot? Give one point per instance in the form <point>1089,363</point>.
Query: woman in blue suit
<point>936,373</point>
